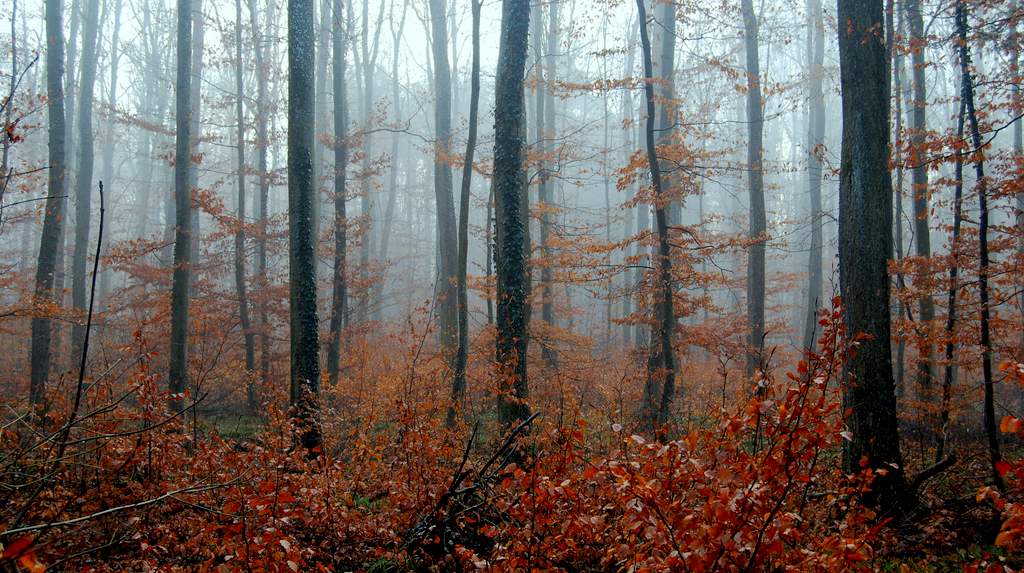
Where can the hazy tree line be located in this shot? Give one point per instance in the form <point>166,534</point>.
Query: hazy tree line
<point>634,176</point>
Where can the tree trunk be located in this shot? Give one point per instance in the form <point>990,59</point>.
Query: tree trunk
<point>53,220</point>
<point>947,379</point>
<point>815,139</point>
<point>83,178</point>
<point>339,292</point>
<point>445,292</point>
<point>512,218</point>
<point>865,245</point>
<point>198,45</point>
<point>181,280</point>
<point>755,186</point>
<point>896,60</point>
<point>662,362</point>
<point>462,354</point>
<point>967,87</point>
<point>302,192</point>
<point>919,181</point>
<point>5,137</point>
<point>262,143</point>
<point>240,288</point>
<point>543,126</point>
<point>108,151</point>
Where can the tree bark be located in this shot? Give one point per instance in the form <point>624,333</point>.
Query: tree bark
<point>755,187</point>
<point>53,220</point>
<point>512,218</point>
<point>865,245</point>
<point>302,192</point>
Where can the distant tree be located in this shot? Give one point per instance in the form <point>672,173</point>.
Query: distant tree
<point>83,178</point>
<point>755,188</point>
<point>447,241</point>
<point>919,181</point>
<point>339,292</point>
<point>815,139</point>
<point>865,245</point>
<point>240,285</point>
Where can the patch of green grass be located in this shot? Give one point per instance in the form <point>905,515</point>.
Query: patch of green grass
<point>241,427</point>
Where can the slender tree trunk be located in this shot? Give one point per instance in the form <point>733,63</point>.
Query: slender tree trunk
<point>5,137</point>
<point>542,131</point>
<point>896,59</point>
<point>366,201</point>
<point>181,280</point>
<point>198,45</point>
<point>339,294</point>
<point>489,255</point>
<point>389,213</point>
<point>815,141</point>
<point>83,179</point>
<point>947,379</point>
<point>967,88</point>
<point>108,151</point>
<point>512,217</point>
<point>262,143</point>
<point>240,287</point>
<point>53,220</point>
<point>302,193</point>
<point>865,245</point>
<point>662,362</point>
<point>919,181</point>
<point>462,353</point>
<point>755,186</point>
<point>447,303</point>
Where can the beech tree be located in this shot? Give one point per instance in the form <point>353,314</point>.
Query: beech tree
<point>511,217</point>
<point>304,323</point>
<point>865,245</point>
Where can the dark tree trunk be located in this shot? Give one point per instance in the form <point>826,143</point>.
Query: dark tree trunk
<point>53,220</point>
<point>661,363</point>
<point>181,280</point>
<point>339,292</point>
<point>512,218</point>
<point>967,93</point>
<point>865,245</point>
<point>755,187</point>
<point>240,287</point>
<point>83,178</point>
<point>302,192</point>
<point>815,139</point>
<point>919,182</point>
<point>462,353</point>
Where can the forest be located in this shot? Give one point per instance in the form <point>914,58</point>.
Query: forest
<point>511,285</point>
